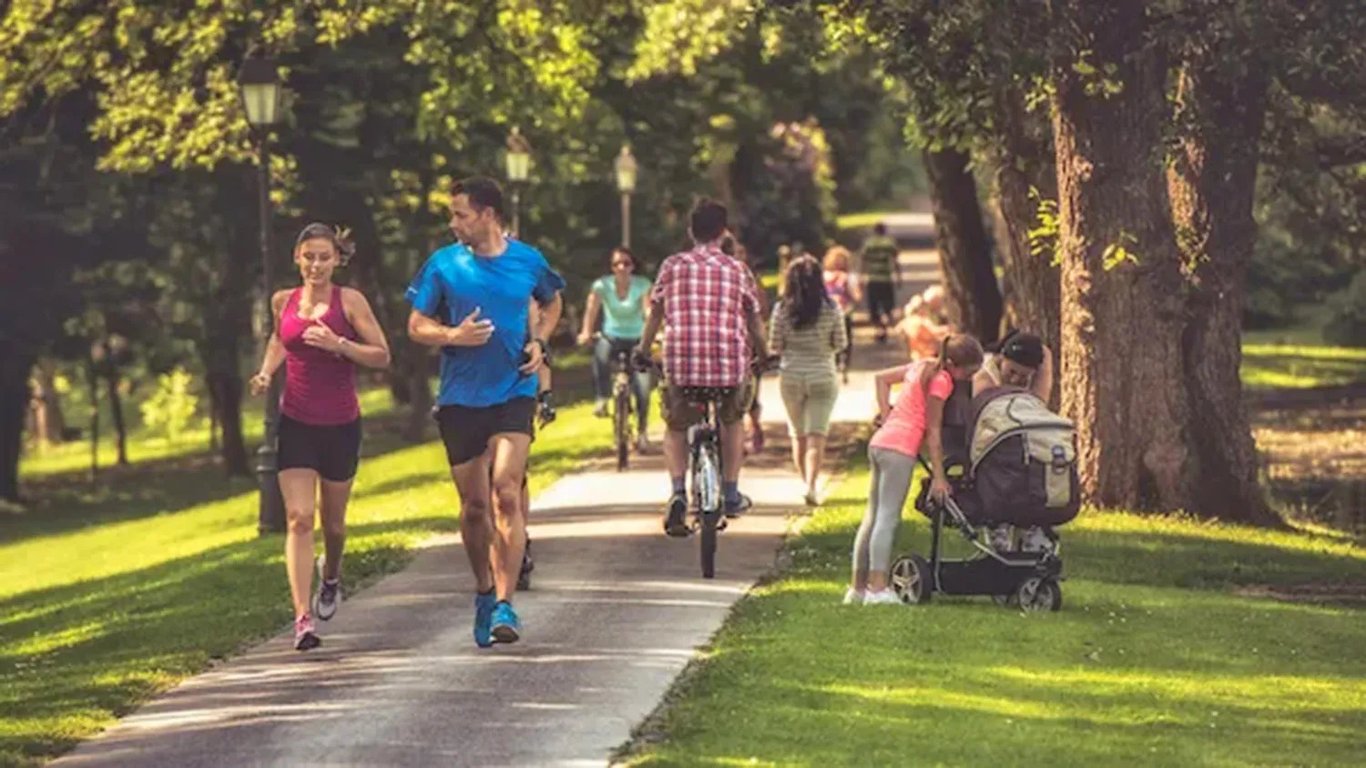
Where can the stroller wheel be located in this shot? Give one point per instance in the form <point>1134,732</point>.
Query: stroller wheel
<point>911,579</point>
<point>1037,594</point>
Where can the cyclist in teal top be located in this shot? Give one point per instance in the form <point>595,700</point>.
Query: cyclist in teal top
<point>622,298</point>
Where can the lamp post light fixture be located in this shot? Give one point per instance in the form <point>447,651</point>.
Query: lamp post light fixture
<point>626,184</point>
<point>518,169</point>
<point>259,84</point>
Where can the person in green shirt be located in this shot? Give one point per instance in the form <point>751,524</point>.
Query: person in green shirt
<point>622,298</point>
<point>881,275</point>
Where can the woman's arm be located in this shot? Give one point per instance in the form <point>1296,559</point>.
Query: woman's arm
<point>777,330</point>
<point>884,380</point>
<point>934,435</point>
<point>590,316</point>
<point>275,351</point>
<point>373,349</point>
<point>839,339</point>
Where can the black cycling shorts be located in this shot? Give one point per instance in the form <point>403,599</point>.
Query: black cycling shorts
<point>466,431</point>
<point>332,451</point>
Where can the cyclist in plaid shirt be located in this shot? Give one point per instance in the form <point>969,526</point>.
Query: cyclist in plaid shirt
<point>710,305</point>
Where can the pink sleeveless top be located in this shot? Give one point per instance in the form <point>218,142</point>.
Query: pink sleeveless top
<point>320,387</point>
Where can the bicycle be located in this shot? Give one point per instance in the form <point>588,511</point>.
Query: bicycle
<point>621,407</point>
<point>705,470</point>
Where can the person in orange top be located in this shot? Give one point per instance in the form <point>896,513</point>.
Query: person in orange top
<point>922,326</point>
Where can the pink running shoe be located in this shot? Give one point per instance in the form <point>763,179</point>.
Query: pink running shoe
<point>305,634</point>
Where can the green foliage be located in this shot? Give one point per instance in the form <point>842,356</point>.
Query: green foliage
<point>172,405</point>
<point>1043,236</point>
<point>1118,253</point>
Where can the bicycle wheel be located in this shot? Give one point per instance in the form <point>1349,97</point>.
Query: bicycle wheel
<point>707,484</point>
<point>622,426</point>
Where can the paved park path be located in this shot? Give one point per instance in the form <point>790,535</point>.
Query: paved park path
<point>616,612</point>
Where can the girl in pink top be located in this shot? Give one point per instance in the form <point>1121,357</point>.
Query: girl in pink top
<point>322,332</point>
<point>913,422</point>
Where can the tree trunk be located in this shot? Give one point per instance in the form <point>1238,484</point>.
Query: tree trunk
<point>111,387</point>
<point>51,426</point>
<point>1122,311</point>
<point>964,249</point>
<point>1212,187</point>
<point>14,402</point>
<point>92,381</point>
<point>1025,164</point>
<point>224,381</point>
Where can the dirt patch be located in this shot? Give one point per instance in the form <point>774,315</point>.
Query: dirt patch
<point>1336,593</point>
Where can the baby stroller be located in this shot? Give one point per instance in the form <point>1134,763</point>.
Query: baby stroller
<point>1011,461</point>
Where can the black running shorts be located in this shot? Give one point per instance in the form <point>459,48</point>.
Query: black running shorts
<point>332,451</point>
<point>466,431</point>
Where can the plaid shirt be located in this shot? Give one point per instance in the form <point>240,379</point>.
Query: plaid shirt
<point>707,297</point>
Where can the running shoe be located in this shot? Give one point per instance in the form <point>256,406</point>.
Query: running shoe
<point>852,597</point>
<point>881,597</point>
<point>738,505</point>
<point>327,597</point>
<point>305,634</point>
<point>507,628</point>
<point>600,409</point>
<point>483,619</point>
<point>675,520</point>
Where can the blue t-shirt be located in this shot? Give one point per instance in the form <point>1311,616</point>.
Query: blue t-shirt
<point>622,319</point>
<point>501,287</point>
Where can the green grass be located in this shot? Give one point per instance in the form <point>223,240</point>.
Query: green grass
<point>113,592</point>
<point>1154,660</point>
<point>1293,366</point>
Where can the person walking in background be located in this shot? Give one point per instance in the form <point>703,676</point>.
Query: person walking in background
<point>881,275</point>
<point>322,331</point>
<point>807,331</point>
<point>622,297</point>
<point>488,384</point>
<point>914,422</point>
<point>844,291</point>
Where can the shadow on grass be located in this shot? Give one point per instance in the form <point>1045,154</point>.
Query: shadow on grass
<point>98,648</point>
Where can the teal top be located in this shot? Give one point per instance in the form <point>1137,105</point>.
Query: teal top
<point>622,318</point>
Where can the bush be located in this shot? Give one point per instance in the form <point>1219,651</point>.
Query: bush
<point>170,409</point>
<point>1347,315</point>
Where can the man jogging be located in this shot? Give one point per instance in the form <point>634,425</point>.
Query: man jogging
<point>488,384</point>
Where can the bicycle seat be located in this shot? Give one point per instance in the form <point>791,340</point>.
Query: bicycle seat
<point>706,394</point>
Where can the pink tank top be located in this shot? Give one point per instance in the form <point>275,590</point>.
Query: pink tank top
<point>905,426</point>
<point>320,387</point>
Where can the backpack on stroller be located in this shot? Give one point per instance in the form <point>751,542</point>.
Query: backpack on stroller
<point>1011,462</point>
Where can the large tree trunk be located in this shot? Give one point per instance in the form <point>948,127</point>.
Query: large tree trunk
<point>14,403</point>
<point>964,248</point>
<point>1212,187</point>
<point>221,374</point>
<point>1122,318</point>
<point>1025,175</point>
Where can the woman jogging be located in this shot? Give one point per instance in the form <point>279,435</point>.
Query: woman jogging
<point>322,331</point>
<point>807,331</point>
<point>914,422</point>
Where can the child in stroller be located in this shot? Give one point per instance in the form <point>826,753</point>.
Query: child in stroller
<point>1017,466</point>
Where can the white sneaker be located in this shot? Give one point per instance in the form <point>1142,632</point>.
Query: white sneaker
<point>853,597</point>
<point>881,597</point>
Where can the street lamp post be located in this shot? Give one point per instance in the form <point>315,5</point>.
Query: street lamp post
<point>259,83</point>
<point>518,168</point>
<point>626,184</point>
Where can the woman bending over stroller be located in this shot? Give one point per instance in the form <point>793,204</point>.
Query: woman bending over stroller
<point>915,420</point>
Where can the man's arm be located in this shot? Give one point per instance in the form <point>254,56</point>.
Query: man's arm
<point>429,332</point>
<point>549,317</point>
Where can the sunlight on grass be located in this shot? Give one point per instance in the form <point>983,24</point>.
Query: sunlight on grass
<point>109,595</point>
<point>1154,658</point>
<point>862,220</point>
<point>1275,366</point>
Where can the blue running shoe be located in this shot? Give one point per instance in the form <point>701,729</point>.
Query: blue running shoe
<point>507,628</point>
<point>483,619</point>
